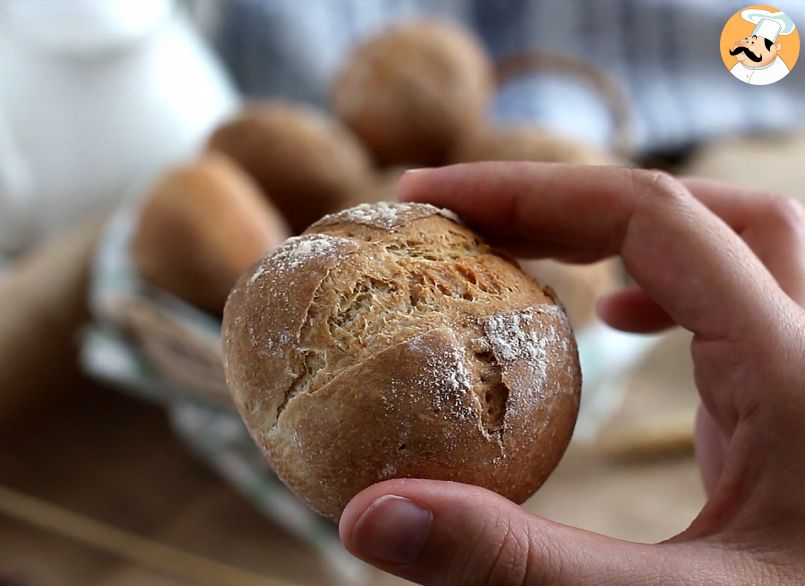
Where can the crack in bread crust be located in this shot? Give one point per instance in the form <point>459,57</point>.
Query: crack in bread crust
<point>423,275</point>
<point>293,255</point>
<point>410,349</point>
<point>302,365</point>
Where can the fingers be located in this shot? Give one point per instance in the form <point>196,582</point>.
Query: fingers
<point>543,206</point>
<point>447,533</point>
<point>773,226</point>
<point>696,269</point>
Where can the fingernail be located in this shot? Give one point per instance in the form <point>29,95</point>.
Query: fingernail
<point>392,529</point>
<point>402,183</point>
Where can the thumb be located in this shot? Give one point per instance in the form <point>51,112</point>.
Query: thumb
<point>435,532</point>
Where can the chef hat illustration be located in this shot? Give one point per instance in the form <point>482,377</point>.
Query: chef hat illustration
<point>769,25</point>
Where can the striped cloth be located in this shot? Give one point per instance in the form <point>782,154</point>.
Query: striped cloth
<point>663,53</point>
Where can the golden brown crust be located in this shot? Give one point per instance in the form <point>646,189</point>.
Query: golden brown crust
<point>387,216</point>
<point>413,90</point>
<point>404,347</point>
<point>308,163</point>
<point>203,225</point>
<point>265,314</point>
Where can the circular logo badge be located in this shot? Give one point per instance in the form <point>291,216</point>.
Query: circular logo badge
<point>760,45</point>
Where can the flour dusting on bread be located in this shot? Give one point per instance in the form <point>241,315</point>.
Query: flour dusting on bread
<point>297,251</point>
<point>385,215</point>
<point>446,378</point>
<point>526,337</point>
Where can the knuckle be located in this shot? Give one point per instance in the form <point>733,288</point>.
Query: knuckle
<point>657,180</point>
<point>470,564</point>
<point>656,185</point>
<point>512,565</point>
<point>787,213</point>
<point>545,562</point>
<point>501,556</point>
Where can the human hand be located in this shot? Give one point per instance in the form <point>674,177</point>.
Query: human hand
<point>725,264</point>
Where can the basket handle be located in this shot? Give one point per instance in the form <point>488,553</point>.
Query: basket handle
<point>605,84</point>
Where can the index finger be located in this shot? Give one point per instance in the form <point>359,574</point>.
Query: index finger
<point>686,258</point>
<point>772,225</point>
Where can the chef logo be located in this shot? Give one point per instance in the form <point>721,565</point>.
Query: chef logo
<point>760,45</point>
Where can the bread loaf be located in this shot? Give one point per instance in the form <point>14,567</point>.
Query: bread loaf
<point>202,226</point>
<point>413,91</point>
<point>390,341</point>
<point>306,162</point>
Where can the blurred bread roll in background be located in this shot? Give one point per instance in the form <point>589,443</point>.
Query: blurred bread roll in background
<point>201,226</point>
<point>389,341</point>
<point>578,286</point>
<point>527,143</point>
<point>413,91</point>
<point>308,163</point>
<point>383,187</point>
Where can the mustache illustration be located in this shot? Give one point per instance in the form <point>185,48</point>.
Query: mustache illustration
<point>749,54</point>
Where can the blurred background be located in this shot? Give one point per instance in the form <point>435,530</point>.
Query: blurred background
<point>152,150</point>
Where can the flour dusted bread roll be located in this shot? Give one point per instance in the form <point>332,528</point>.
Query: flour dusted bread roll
<point>202,226</point>
<point>389,341</point>
<point>413,91</point>
<point>308,163</point>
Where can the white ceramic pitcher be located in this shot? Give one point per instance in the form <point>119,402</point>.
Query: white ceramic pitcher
<point>95,95</point>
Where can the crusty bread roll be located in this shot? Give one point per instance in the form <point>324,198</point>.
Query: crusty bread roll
<point>307,162</point>
<point>389,341</point>
<point>527,143</point>
<point>413,91</point>
<point>201,227</point>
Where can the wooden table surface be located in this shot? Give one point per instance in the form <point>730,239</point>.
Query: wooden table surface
<point>115,459</point>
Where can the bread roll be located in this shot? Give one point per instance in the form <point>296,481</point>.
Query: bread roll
<point>389,341</point>
<point>413,91</point>
<point>200,228</point>
<point>527,143</point>
<point>307,163</point>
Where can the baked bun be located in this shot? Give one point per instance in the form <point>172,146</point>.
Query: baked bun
<point>412,91</point>
<point>527,143</point>
<point>307,162</point>
<point>201,227</point>
<point>389,341</point>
